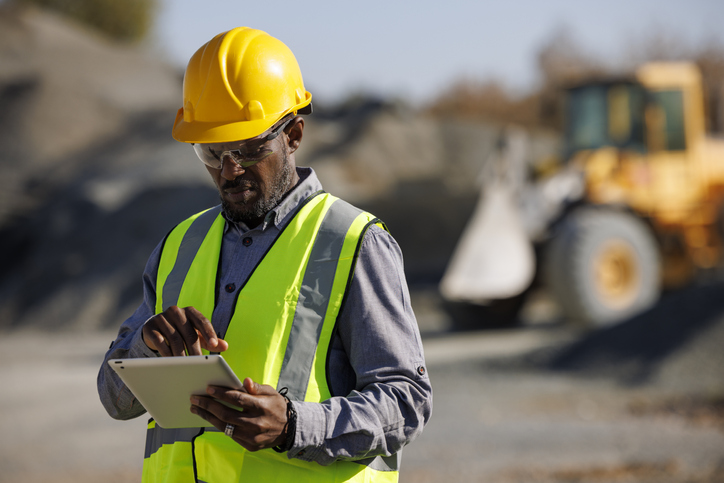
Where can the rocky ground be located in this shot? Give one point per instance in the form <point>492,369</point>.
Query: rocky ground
<point>639,402</point>
<point>539,402</point>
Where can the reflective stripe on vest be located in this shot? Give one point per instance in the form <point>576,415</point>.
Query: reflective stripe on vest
<point>313,298</point>
<point>312,260</point>
<point>194,236</point>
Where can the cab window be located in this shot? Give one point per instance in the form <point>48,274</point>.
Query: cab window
<point>670,106</point>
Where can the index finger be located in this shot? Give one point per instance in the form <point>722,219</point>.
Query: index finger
<point>204,328</point>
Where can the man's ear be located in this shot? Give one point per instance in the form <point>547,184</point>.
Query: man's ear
<point>295,131</point>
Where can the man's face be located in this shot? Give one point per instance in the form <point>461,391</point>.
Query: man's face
<point>248,194</point>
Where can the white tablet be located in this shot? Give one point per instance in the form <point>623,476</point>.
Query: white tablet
<point>164,385</point>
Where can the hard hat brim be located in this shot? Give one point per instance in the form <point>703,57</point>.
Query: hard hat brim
<point>226,132</point>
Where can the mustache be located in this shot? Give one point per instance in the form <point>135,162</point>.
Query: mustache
<point>240,183</point>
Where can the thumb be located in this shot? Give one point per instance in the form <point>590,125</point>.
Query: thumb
<point>251,386</point>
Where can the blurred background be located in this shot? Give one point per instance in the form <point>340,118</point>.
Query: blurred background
<point>553,171</point>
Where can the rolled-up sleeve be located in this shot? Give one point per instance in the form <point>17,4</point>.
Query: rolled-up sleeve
<point>115,396</point>
<point>378,348</point>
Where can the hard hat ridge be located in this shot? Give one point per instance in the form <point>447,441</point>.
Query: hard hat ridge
<point>237,86</point>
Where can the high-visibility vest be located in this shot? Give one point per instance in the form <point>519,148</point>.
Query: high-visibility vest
<point>279,335</point>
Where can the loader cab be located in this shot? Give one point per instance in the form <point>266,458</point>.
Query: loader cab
<point>637,141</point>
<point>666,130</point>
<point>624,115</point>
<point>605,114</point>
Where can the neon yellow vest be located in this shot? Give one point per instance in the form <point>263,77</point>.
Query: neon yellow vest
<point>291,298</point>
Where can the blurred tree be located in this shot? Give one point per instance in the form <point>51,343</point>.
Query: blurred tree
<point>560,62</point>
<point>655,44</point>
<point>484,100</point>
<point>659,44</point>
<point>122,20</point>
<point>711,62</point>
<point>563,62</point>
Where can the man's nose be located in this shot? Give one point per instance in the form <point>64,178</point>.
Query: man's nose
<point>229,169</point>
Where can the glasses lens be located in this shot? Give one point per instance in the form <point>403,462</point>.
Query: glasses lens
<point>207,156</point>
<point>243,159</point>
<point>246,153</point>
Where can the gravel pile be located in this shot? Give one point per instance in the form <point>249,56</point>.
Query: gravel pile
<point>678,344</point>
<point>63,89</point>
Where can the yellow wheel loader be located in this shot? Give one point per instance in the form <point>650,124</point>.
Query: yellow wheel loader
<point>635,205</point>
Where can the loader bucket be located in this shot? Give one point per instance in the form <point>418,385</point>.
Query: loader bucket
<point>494,258</point>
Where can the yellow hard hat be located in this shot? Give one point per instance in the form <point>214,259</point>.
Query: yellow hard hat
<point>238,85</point>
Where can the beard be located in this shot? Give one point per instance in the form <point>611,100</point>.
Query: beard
<point>252,214</point>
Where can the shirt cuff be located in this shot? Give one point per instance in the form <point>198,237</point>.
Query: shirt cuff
<point>138,347</point>
<point>310,435</point>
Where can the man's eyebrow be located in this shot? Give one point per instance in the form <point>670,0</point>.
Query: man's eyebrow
<point>250,145</point>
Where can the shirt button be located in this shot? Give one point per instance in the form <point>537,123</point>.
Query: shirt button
<point>246,241</point>
<point>230,287</point>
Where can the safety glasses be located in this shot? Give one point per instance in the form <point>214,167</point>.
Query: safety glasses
<point>243,153</point>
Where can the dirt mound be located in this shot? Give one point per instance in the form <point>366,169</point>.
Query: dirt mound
<point>63,89</point>
<point>90,178</point>
<point>678,343</point>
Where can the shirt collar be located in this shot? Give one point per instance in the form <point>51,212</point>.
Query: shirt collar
<point>308,184</point>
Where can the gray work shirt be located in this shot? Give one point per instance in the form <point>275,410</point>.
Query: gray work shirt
<point>381,394</point>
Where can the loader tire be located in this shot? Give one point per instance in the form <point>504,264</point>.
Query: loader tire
<point>602,266</point>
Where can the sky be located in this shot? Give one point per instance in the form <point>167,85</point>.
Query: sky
<point>414,49</point>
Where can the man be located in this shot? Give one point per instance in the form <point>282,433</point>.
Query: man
<point>302,293</point>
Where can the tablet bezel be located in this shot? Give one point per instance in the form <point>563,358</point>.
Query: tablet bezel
<point>164,385</point>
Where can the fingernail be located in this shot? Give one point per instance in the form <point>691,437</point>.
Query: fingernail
<point>211,390</point>
<point>194,410</point>
<point>195,400</point>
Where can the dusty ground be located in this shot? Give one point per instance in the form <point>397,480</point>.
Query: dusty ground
<point>53,425</point>
<point>512,426</point>
<point>639,402</point>
<point>511,406</point>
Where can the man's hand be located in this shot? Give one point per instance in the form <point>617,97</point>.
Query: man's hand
<point>260,422</point>
<point>177,332</point>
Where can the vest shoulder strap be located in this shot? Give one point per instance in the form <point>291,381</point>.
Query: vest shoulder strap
<point>190,243</point>
<point>329,268</point>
